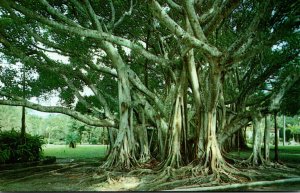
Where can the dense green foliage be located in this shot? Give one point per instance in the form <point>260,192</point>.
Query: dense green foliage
<point>12,149</point>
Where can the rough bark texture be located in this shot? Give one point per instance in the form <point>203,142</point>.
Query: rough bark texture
<point>257,140</point>
<point>123,152</point>
<point>141,131</point>
<point>177,128</point>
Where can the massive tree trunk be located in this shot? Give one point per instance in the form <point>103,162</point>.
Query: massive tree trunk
<point>177,127</point>
<point>123,151</point>
<point>212,160</point>
<point>213,155</point>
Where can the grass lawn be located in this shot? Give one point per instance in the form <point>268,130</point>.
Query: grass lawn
<point>286,153</point>
<point>81,151</point>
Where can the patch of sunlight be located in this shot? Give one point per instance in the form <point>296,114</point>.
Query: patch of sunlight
<point>123,183</point>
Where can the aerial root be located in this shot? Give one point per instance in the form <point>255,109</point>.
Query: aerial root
<point>200,175</point>
<point>164,175</point>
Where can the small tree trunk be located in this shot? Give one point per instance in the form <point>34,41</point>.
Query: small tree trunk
<point>111,138</point>
<point>143,140</point>
<point>257,157</point>
<point>162,128</point>
<point>202,135</point>
<point>173,153</point>
<point>276,137</point>
<point>283,130</point>
<point>49,137</point>
<point>23,124</point>
<point>267,138</point>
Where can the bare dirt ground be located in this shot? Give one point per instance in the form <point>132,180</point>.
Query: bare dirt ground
<point>84,175</point>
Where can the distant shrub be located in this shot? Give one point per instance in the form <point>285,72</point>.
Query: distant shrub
<point>59,143</point>
<point>13,151</point>
<point>93,140</point>
<point>72,139</point>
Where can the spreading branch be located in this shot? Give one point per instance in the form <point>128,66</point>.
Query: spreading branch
<point>18,101</point>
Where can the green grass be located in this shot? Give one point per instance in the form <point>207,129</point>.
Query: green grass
<point>81,151</point>
<point>286,153</point>
<point>288,149</point>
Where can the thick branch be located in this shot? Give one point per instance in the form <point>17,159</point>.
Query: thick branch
<point>121,19</point>
<point>236,124</point>
<point>242,44</point>
<point>58,14</point>
<point>56,109</point>
<point>195,24</point>
<point>90,33</point>
<point>178,31</point>
<point>227,7</point>
<point>79,96</point>
<point>174,5</point>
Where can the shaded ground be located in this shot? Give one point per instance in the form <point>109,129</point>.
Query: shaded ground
<point>53,177</point>
<point>75,174</point>
<point>80,175</point>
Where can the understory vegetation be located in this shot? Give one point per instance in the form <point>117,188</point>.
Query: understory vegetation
<point>13,150</point>
<point>174,85</point>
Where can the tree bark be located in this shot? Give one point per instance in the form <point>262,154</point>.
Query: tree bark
<point>257,156</point>
<point>276,137</point>
<point>23,119</point>
<point>212,154</point>
<point>212,157</point>
<point>283,130</point>
<point>123,152</point>
<point>177,127</point>
<point>174,158</point>
<point>23,125</point>
<point>144,155</point>
<point>267,138</point>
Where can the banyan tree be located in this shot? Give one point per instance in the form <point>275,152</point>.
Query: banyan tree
<point>172,81</point>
